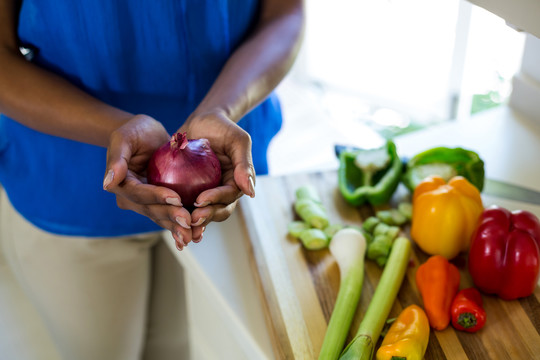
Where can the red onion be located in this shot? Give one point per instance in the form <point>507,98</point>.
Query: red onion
<point>188,167</point>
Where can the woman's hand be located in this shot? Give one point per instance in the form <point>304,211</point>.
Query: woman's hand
<point>232,146</point>
<point>130,148</point>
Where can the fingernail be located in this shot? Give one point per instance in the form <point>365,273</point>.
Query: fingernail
<point>251,187</point>
<point>178,246</point>
<point>204,203</point>
<point>108,179</point>
<point>173,201</point>
<point>198,240</point>
<point>199,222</point>
<point>180,240</point>
<point>182,222</point>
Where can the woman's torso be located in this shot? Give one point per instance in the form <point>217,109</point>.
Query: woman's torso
<point>152,57</point>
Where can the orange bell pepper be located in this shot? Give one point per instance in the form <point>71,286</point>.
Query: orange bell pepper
<point>445,215</point>
<point>438,282</point>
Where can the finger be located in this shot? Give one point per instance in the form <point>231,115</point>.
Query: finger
<point>181,236</point>
<point>244,171</point>
<point>145,194</point>
<point>178,242</point>
<point>175,219</point>
<point>118,154</point>
<point>218,213</point>
<point>224,195</point>
<point>158,213</point>
<point>222,213</point>
<point>198,233</point>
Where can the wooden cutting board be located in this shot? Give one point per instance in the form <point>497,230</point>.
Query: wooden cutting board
<point>299,287</point>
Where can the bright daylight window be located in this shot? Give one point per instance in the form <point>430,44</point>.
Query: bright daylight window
<point>394,66</point>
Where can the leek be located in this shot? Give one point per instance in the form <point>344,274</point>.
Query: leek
<point>363,344</point>
<point>348,247</point>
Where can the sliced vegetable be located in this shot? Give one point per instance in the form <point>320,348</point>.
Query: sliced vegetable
<point>348,247</point>
<point>406,209</point>
<point>362,346</point>
<point>296,227</point>
<point>445,215</point>
<point>311,212</point>
<point>504,258</point>
<point>446,163</point>
<point>383,229</point>
<point>331,230</point>
<point>314,230</point>
<point>467,311</point>
<point>383,238</point>
<point>438,282</point>
<point>369,175</point>
<point>314,239</point>
<point>308,192</point>
<point>309,207</point>
<point>408,336</point>
<point>392,217</point>
<point>370,223</point>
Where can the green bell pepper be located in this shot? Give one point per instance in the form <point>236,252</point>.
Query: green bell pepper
<point>446,163</point>
<point>369,175</point>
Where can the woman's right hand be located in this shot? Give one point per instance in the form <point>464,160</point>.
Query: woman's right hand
<point>130,148</point>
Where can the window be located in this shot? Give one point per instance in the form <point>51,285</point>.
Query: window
<point>386,67</point>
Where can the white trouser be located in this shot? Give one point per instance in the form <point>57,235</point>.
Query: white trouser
<point>93,294</point>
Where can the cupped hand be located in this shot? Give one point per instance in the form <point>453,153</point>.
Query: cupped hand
<point>130,148</point>
<point>232,145</point>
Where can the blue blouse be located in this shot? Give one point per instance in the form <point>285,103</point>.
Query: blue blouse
<point>153,57</point>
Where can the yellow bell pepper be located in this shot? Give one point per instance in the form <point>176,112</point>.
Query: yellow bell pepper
<point>408,336</point>
<point>445,215</point>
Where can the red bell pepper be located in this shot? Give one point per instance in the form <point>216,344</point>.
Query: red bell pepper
<point>504,257</point>
<point>467,311</point>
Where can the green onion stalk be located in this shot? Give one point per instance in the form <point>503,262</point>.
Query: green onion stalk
<point>363,344</point>
<point>348,247</point>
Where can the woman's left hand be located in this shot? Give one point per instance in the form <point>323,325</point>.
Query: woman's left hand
<point>232,146</point>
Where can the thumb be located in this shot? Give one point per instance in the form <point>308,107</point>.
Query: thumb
<point>117,164</point>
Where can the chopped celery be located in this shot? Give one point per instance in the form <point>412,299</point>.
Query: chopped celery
<point>391,217</point>
<point>381,229</point>
<point>406,209</point>
<point>393,231</point>
<point>296,227</point>
<point>368,236</point>
<point>307,192</point>
<point>314,239</point>
<point>370,223</point>
<point>379,248</point>
<point>331,230</point>
<point>311,212</point>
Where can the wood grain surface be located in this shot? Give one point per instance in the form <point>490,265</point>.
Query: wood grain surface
<point>299,286</point>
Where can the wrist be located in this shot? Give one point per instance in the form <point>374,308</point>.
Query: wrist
<point>208,116</point>
<point>136,126</point>
<point>201,112</point>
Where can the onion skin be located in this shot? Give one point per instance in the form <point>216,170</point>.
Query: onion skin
<point>187,166</point>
